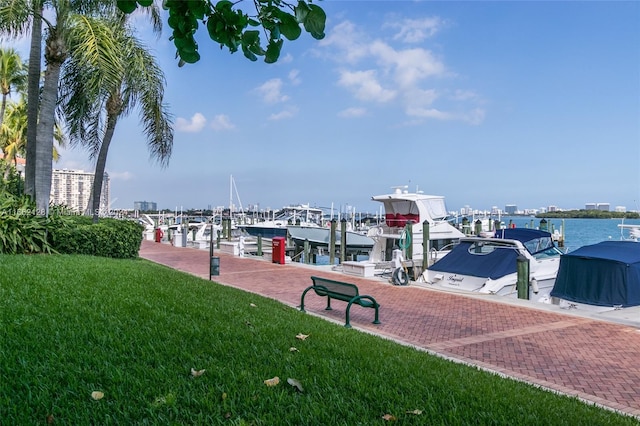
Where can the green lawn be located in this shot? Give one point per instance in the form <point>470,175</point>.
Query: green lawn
<point>133,330</point>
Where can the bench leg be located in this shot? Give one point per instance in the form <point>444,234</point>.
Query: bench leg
<point>302,299</point>
<point>328,308</point>
<point>376,320</point>
<point>347,324</point>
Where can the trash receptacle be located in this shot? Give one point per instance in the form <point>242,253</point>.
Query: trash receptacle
<point>278,245</point>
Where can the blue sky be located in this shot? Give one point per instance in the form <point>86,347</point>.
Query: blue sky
<point>487,103</point>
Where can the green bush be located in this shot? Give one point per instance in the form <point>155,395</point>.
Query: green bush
<point>22,230</point>
<point>108,238</point>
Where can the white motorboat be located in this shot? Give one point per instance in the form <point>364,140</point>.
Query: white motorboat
<point>298,215</point>
<point>490,265</point>
<point>403,208</point>
<point>320,237</point>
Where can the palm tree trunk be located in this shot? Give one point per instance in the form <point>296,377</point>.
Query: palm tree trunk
<point>55,56</point>
<point>3,108</point>
<point>101,163</point>
<point>33,95</point>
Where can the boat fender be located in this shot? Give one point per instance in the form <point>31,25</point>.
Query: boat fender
<point>400,276</point>
<point>534,285</point>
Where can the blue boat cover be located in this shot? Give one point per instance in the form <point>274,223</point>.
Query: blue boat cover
<point>501,261</point>
<point>494,265</point>
<point>603,274</point>
<point>521,234</point>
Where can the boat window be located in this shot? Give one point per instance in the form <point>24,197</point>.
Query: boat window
<point>539,244</point>
<point>485,247</point>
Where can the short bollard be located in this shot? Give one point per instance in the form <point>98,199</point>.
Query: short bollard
<point>215,267</point>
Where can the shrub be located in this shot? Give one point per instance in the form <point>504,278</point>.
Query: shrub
<point>108,238</point>
<point>22,230</point>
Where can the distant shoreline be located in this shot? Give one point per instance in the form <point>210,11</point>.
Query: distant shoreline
<point>588,214</point>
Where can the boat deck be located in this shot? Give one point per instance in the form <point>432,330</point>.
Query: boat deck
<point>596,360</point>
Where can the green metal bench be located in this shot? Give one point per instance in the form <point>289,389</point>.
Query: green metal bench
<point>341,291</point>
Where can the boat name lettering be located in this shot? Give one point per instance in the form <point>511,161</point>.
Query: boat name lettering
<point>456,279</point>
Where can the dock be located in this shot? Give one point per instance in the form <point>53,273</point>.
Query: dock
<point>594,359</point>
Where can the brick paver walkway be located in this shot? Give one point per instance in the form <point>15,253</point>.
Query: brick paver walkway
<point>594,360</point>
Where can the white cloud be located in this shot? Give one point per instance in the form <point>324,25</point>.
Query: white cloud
<point>194,125</point>
<point>352,112</point>
<point>222,122</point>
<point>416,30</point>
<point>347,44</point>
<point>464,95</point>
<point>365,86</point>
<point>408,66</point>
<point>271,91</point>
<point>294,77</point>
<point>474,117</point>
<point>415,78</point>
<point>429,113</point>
<point>121,175</point>
<point>282,115</point>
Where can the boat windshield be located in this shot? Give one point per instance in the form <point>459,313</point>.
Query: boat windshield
<point>542,247</point>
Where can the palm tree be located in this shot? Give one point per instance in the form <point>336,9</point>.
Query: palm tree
<point>94,101</point>
<point>17,17</point>
<point>13,76</point>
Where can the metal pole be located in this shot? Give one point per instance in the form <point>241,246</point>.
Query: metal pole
<point>343,240</point>
<point>332,243</point>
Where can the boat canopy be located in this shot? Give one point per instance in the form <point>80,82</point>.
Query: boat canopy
<point>494,257</point>
<point>603,274</point>
<point>479,259</point>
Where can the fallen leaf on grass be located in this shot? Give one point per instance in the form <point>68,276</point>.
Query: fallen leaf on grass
<point>296,384</point>
<point>416,412</point>
<point>97,395</point>
<point>253,305</point>
<point>389,418</point>
<point>50,419</point>
<point>197,373</point>
<point>301,336</point>
<point>272,382</point>
<point>168,399</point>
<point>224,396</point>
<point>292,349</point>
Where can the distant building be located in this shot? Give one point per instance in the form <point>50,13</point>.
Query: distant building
<point>552,209</point>
<point>620,209</point>
<point>145,206</point>
<point>590,206</point>
<point>603,207</point>
<point>72,188</point>
<point>510,209</point>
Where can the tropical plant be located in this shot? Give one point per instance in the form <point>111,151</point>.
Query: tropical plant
<point>22,229</point>
<point>13,76</point>
<point>17,17</point>
<point>227,25</point>
<point>95,96</point>
<point>13,133</point>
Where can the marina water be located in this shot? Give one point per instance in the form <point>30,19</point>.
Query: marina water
<point>578,232</point>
